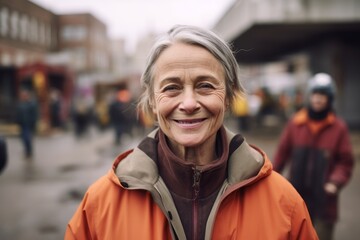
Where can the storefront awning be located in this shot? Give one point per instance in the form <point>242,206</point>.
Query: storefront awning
<point>267,42</point>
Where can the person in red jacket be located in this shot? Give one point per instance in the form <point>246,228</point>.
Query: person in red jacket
<point>316,143</point>
<point>191,178</point>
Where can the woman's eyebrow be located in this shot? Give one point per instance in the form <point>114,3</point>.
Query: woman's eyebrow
<point>169,80</point>
<point>209,78</point>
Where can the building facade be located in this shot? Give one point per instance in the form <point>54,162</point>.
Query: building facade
<point>84,38</point>
<point>27,32</point>
<point>306,37</point>
<point>45,52</point>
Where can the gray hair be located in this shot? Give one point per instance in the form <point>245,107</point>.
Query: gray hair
<point>194,36</point>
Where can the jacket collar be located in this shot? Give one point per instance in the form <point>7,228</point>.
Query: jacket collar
<point>137,169</point>
<point>183,177</point>
<point>302,117</point>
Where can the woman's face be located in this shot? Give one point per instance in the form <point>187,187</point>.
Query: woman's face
<point>189,94</point>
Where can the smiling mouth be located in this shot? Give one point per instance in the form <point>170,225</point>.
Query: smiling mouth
<point>190,121</point>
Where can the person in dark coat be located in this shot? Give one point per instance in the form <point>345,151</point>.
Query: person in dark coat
<point>55,109</point>
<point>27,118</point>
<point>81,115</point>
<point>317,144</point>
<point>3,154</point>
<point>119,111</point>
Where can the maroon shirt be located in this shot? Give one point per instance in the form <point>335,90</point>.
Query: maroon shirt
<point>193,188</point>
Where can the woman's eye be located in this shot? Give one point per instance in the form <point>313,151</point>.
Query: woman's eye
<point>205,86</point>
<point>171,88</point>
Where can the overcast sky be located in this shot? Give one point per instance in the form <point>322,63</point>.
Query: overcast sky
<point>131,19</point>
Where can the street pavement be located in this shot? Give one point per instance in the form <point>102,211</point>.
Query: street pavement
<point>38,198</point>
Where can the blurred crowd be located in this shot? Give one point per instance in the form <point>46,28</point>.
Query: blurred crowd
<point>263,108</point>
<point>116,111</point>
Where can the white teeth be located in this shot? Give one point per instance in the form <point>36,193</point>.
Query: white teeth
<point>190,122</point>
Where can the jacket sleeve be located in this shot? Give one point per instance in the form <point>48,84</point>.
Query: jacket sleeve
<point>283,151</point>
<point>301,225</point>
<point>78,227</point>
<point>344,160</point>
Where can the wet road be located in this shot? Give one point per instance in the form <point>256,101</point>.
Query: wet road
<point>38,198</point>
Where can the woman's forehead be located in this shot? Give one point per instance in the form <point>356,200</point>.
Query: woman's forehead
<point>186,57</point>
<point>183,51</point>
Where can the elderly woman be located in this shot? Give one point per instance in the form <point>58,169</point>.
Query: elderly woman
<point>191,178</point>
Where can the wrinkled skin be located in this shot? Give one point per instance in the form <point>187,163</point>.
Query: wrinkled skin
<point>189,100</point>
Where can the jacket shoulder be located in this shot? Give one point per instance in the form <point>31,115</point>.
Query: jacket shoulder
<point>279,191</point>
<point>272,199</point>
<point>280,194</point>
<point>341,123</point>
<point>278,181</point>
<point>101,185</point>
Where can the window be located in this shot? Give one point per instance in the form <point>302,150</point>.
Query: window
<point>78,57</point>
<point>34,30</point>
<point>73,33</point>
<point>4,21</point>
<point>24,21</point>
<point>29,30</point>
<point>14,24</point>
<point>48,40</point>
<point>42,33</point>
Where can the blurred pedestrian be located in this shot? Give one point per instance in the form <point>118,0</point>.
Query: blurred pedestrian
<point>316,143</point>
<point>119,114</point>
<point>81,115</point>
<point>147,122</point>
<point>191,178</point>
<point>267,107</point>
<point>283,106</point>
<point>55,109</point>
<point>254,104</point>
<point>3,153</point>
<point>102,113</point>
<point>240,109</point>
<point>27,115</point>
<point>298,102</point>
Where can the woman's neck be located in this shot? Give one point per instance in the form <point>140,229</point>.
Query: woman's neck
<point>198,155</point>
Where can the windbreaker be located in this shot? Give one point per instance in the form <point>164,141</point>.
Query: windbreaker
<point>133,202</point>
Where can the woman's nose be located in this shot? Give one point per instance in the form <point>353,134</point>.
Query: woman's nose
<point>189,102</point>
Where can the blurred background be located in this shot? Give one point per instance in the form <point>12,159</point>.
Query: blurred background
<point>81,62</point>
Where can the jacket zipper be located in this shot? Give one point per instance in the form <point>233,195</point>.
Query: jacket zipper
<point>196,187</point>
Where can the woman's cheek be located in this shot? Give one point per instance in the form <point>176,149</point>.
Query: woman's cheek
<point>165,104</point>
<point>217,103</point>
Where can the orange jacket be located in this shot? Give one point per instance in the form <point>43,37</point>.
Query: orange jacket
<point>132,202</point>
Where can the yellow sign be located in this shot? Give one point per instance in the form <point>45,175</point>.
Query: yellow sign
<point>39,81</point>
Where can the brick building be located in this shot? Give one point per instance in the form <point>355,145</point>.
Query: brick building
<point>30,33</point>
<point>27,32</point>
<point>84,38</point>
